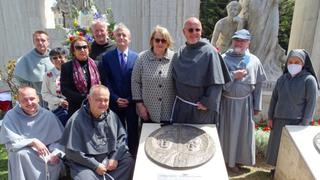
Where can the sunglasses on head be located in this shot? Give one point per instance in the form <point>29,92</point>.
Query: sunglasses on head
<point>57,57</point>
<point>196,30</point>
<point>81,47</point>
<point>157,40</point>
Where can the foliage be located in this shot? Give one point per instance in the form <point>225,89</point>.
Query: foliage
<point>210,12</point>
<point>286,14</point>
<point>85,30</point>
<point>8,77</point>
<point>3,163</point>
<point>262,134</point>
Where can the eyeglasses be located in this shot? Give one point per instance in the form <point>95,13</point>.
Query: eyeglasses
<point>57,57</point>
<point>81,47</point>
<point>196,30</point>
<point>157,40</point>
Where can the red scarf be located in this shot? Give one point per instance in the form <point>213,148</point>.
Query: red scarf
<point>78,75</point>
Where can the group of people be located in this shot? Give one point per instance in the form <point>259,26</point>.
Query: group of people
<point>96,99</point>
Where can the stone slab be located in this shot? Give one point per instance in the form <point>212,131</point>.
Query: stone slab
<point>298,158</point>
<point>145,169</point>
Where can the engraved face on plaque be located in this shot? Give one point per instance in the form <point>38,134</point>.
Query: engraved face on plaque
<point>316,142</point>
<point>179,146</point>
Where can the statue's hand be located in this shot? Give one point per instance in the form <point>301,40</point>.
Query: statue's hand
<point>236,19</point>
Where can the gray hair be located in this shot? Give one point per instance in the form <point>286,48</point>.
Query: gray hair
<point>98,86</point>
<point>123,27</point>
<point>99,21</point>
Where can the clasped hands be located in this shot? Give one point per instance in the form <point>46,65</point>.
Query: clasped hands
<point>102,169</point>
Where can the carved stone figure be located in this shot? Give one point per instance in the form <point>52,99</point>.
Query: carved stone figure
<point>179,146</point>
<point>82,5</point>
<point>63,8</point>
<point>225,27</point>
<point>262,20</point>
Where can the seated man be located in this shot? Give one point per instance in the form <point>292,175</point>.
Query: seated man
<point>30,134</point>
<point>96,141</point>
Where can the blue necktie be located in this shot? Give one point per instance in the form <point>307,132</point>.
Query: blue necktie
<point>122,61</point>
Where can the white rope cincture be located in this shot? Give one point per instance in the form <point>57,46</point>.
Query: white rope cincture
<point>174,105</point>
<point>232,97</point>
<point>46,159</point>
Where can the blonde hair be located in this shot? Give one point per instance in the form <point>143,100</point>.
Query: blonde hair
<point>164,32</point>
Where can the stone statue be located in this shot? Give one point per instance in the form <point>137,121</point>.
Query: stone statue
<point>82,5</point>
<point>63,8</point>
<point>262,20</point>
<point>225,27</point>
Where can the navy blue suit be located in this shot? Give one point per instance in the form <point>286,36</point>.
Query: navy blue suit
<point>119,83</point>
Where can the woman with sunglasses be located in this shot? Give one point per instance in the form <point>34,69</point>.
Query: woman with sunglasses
<point>51,91</point>
<point>152,85</point>
<point>79,74</point>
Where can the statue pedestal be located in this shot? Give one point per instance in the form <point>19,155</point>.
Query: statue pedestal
<point>146,169</point>
<point>298,158</point>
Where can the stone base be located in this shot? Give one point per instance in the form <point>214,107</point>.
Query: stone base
<point>298,158</point>
<point>146,169</point>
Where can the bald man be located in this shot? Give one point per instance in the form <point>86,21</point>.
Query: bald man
<point>199,75</point>
<point>31,134</point>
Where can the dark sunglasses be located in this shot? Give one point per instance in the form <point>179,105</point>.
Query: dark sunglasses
<point>81,47</point>
<point>160,40</point>
<point>196,30</point>
<point>57,57</point>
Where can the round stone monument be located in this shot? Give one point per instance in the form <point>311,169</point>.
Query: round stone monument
<point>316,142</point>
<point>179,146</point>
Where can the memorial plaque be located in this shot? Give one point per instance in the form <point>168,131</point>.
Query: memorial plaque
<point>179,146</point>
<point>316,142</point>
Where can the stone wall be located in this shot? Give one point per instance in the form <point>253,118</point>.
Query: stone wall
<point>18,20</point>
<point>141,16</point>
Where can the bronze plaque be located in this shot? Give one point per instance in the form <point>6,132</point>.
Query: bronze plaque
<point>179,146</point>
<point>316,142</point>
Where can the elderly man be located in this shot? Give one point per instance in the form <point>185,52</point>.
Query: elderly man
<point>199,75</point>
<point>242,99</point>
<point>96,141</point>
<point>31,67</point>
<point>30,134</point>
<point>102,43</point>
<point>116,69</point>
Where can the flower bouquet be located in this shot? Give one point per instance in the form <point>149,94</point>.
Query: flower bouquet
<point>262,134</point>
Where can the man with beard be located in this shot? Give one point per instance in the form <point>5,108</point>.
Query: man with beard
<point>242,99</point>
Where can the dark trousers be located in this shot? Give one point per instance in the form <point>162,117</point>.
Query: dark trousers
<point>129,119</point>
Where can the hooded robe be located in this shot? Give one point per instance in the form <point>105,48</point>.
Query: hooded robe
<point>199,74</point>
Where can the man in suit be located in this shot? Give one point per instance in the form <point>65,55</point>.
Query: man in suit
<point>115,69</point>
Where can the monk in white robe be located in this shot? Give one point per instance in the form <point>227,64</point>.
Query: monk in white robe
<point>30,134</point>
